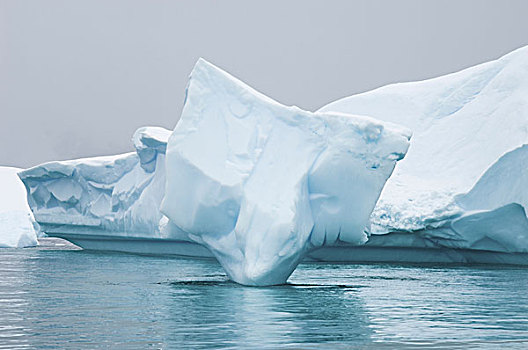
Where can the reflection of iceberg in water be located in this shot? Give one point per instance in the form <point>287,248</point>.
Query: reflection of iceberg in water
<point>271,317</point>
<point>86,297</point>
<point>15,299</point>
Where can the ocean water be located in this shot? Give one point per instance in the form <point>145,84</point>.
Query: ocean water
<point>55,297</point>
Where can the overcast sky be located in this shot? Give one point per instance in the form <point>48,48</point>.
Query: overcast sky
<point>78,77</point>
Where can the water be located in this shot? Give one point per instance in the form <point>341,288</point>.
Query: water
<point>59,298</point>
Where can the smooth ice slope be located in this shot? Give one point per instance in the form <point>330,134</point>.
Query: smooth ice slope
<point>119,194</point>
<point>17,227</point>
<point>463,183</point>
<point>260,184</point>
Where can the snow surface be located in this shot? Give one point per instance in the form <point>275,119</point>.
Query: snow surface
<point>120,193</point>
<point>17,227</point>
<point>260,184</point>
<point>463,182</point>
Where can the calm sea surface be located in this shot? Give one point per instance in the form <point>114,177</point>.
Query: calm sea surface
<point>55,297</point>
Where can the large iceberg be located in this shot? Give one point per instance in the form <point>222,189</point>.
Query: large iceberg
<point>464,181</point>
<point>257,183</point>
<point>261,184</point>
<point>120,194</point>
<point>110,202</point>
<point>17,227</point>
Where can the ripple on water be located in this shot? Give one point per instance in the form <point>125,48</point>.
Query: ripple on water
<point>76,299</point>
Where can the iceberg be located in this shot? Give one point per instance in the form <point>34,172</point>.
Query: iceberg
<point>256,184</point>
<point>463,183</point>
<point>119,194</point>
<point>17,226</point>
<point>109,202</point>
<point>261,184</point>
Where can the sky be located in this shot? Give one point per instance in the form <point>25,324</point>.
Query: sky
<point>77,78</point>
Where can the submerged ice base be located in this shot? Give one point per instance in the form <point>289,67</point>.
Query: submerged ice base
<point>260,184</point>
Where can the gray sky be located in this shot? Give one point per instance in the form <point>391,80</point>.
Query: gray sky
<point>78,77</point>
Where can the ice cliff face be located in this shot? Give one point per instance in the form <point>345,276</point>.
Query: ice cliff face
<point>120,194</point>
<point>260,184</point>
<point>17,227</point>
<point>463,181</point>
